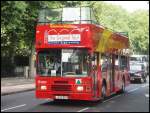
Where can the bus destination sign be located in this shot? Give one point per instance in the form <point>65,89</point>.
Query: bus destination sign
<point>64,39</point>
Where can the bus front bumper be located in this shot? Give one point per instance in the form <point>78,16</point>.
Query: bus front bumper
<point>64,96</point>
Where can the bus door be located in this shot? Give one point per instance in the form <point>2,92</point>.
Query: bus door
<point>112,73</point>
<point>94,70</point>
<point>116,71</point>
<point>109,69</point>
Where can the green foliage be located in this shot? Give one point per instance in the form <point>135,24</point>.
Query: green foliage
<point>18,21</point>
<point>119,20</point>
<point>70,3</point>
<point>139,31</point>
<point>11,26</point>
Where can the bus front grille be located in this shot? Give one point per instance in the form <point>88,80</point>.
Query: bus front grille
<point>60,82</point>
<point>61,87</point>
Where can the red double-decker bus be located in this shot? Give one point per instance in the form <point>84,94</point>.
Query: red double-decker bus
<point>77,59</point>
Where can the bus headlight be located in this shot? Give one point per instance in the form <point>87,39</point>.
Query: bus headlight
<point>43,87</point>
<point>79,88</point>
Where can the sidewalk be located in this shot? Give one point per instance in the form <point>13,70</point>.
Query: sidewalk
<point>15,85</point>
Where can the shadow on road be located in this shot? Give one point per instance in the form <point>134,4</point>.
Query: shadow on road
<point>137,82</point>
<point>77,103</point>
<point>70,103</point>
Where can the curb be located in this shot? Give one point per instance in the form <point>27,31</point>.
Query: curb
<point>16,89</point>
<point>20,91</point>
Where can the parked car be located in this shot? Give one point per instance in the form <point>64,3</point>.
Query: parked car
<point>143,59</point>
<point>137,72</point>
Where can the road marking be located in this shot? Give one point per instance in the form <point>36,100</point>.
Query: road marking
<point>14,107</point>
<point>82,109</point>
<point>133,90</point>
<point>147,95</point>
<point>111,98</point>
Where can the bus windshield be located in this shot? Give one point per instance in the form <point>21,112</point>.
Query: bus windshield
<point>62,62</point>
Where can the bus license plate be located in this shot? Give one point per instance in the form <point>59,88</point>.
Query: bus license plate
<point>61,97</point>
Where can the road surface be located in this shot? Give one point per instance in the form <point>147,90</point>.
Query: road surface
<point>135,99</point>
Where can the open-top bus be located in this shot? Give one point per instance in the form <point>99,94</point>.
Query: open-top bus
<point>78,59</point>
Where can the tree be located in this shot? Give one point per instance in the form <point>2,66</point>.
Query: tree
<point>119,20</point>
<point>139,31</point>
<point>32,14</point>
<point>11,26</point>
<point>19,19</point>
<point>70,3</point>
<point>11,29</point>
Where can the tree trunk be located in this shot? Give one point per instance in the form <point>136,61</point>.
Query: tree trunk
<point>12,65</point>
<point>12,54</point>
<point>32,62</point>
<point>32,69</point>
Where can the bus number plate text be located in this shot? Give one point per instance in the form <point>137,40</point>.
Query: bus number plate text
<point>61,97</point>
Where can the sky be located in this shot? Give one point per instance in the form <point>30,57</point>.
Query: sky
<point>131,5</point>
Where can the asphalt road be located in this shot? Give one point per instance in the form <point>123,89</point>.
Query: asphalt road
<point>135,99</point>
